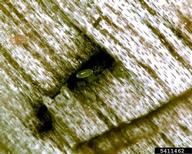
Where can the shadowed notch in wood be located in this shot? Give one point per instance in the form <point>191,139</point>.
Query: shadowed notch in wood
<point>45,119</point>
<point>98,62</point>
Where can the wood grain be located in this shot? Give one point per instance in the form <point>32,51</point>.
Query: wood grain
<point>142,102</point>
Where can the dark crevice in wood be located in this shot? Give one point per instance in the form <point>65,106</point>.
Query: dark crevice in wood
<point>97,22</point>
<point>48,127</point>
<point>97,63</point>
<point>46,124</point>
<point>45,119</point>
<point>54,91</point>
<point>107,20</point>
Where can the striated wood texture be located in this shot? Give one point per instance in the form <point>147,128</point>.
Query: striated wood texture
<point>141,101</point>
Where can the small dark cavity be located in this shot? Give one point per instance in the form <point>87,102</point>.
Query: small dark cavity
<point>98,63</point>
<point>45,119</point>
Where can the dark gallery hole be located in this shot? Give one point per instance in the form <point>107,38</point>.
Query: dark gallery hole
<point>45,119</point>
<point>90,70</point>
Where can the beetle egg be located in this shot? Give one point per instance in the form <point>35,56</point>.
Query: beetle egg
<point>84,73</point>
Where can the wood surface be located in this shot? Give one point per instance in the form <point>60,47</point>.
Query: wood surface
<point>143,101</point>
